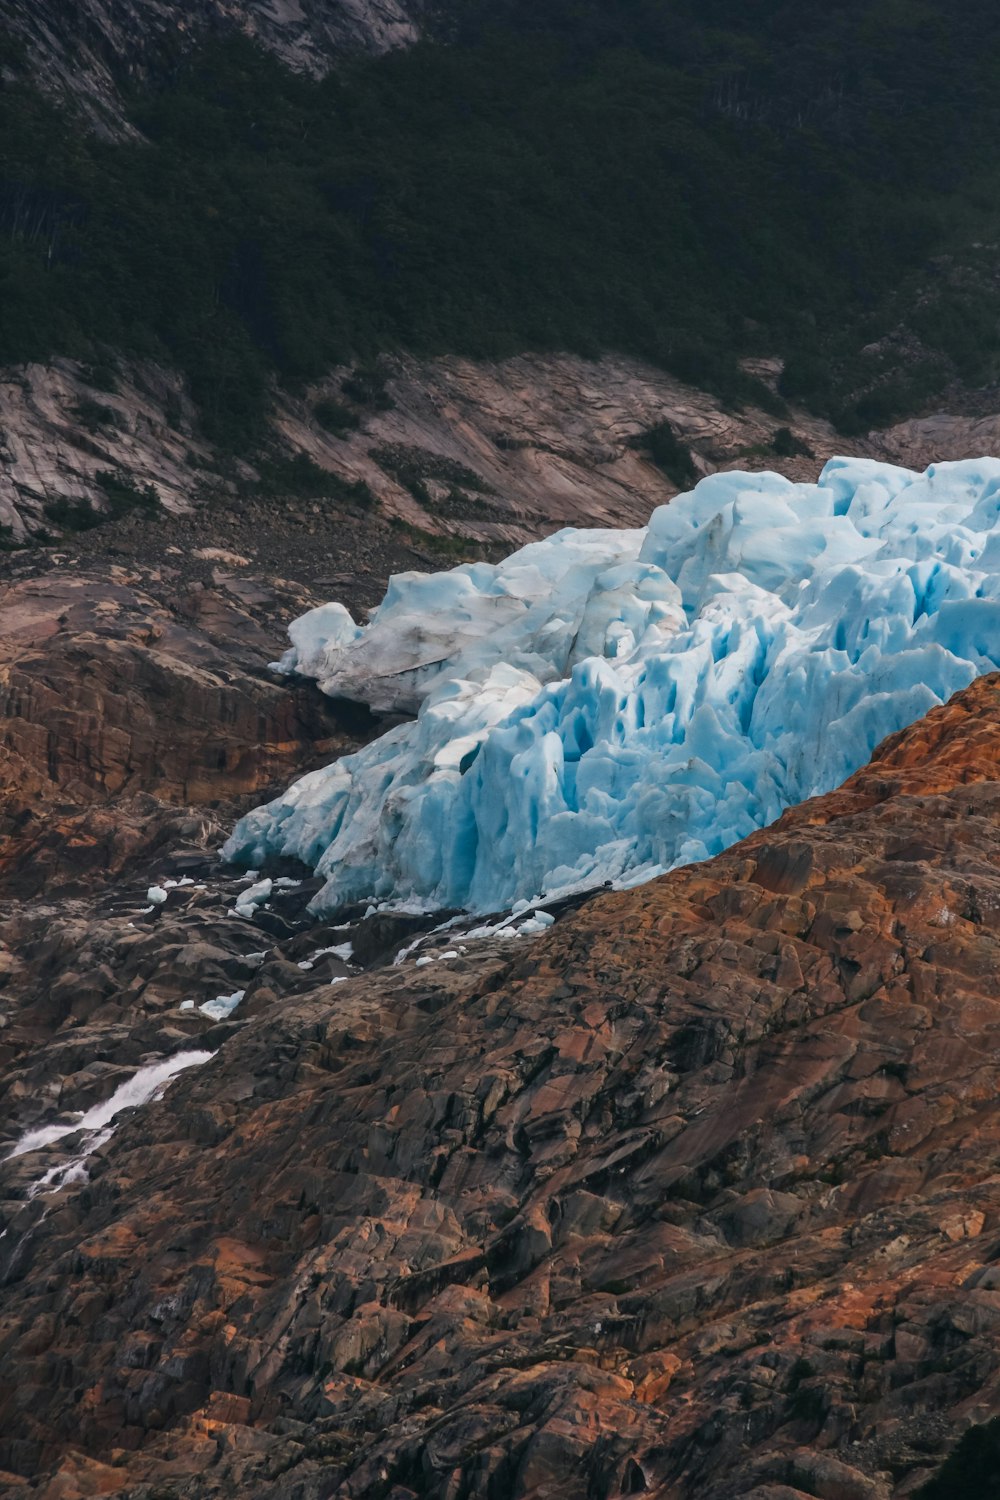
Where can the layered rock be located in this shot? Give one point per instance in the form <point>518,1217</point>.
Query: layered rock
<point>87,50</point>
<point>130,709</point>
<point>694,1196</point>
<point>488,452</point>
<point>495,453</point>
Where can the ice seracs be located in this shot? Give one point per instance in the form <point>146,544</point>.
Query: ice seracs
<point>97,1125</point>
<point>603,706</point>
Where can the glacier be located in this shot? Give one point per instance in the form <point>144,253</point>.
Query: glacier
<point>604,706</point>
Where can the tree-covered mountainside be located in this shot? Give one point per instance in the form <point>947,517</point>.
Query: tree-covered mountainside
<point>690,180</point>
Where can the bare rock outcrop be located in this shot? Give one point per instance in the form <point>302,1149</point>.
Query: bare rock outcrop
<point>496,453</point>
<point>123,707</point>
<point>85,50</point>
<point>695,1196</point>
<point>492,453</point>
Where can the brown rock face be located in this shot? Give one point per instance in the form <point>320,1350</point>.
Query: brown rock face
<point>525,445</point>
<point>696,1196</point>
<point>119,711</point>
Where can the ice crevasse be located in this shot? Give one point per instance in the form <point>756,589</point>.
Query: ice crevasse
<point>607,705</point>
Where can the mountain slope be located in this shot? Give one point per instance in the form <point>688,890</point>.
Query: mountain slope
<point>691,188</point>
<point>693,1197</point>
<point>87,51</point>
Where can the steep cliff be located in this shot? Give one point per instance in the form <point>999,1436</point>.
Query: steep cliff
<point>87,49</point>
<point>493,452</point>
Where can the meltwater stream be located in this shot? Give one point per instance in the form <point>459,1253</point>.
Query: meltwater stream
<point>97,1126</point>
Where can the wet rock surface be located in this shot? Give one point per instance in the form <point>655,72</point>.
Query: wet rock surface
<point>695,1195</point>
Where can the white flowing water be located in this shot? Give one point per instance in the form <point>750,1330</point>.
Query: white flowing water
<point>97,1126</point>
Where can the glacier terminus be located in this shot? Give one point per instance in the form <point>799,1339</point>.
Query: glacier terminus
<point>604,706</point>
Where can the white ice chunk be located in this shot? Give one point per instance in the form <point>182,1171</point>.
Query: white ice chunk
<point>222,1006</point>
<point>248,900</point>
<point>539,921</point>
<point>314,635</point>
<point>339,950</point>
<point>156,895</point>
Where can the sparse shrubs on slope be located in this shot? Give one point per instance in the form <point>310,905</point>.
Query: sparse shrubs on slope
<point>336,418</point>
<point>669,454</point>
<point>972,1471</point>
<point>302,477</point>
<point>123,494</point>
<point>676,182</point>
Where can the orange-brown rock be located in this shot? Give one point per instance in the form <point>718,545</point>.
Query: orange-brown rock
<point>695,1197</point>
<point>111,696</point>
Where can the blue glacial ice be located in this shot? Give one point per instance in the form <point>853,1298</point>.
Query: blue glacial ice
<point>607,705</point>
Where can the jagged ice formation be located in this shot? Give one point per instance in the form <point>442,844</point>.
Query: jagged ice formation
<point>604,706</point>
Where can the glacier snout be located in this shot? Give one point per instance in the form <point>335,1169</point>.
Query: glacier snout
<point>603,706</point>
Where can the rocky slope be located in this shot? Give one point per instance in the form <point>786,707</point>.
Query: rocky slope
<point>495,453</point>
<point>87,50</point>
<point>693,1196</point>
<point>134,710</point>
<point>489,454</point>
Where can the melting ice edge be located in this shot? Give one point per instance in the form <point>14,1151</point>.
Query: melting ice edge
<point>604,706</point>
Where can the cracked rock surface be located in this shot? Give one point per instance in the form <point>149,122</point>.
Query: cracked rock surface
<point>694,1196</point>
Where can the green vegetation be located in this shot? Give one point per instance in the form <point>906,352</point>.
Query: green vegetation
<point>786,445</point>
<point>669,454</point>
<point>412,467</point>
<point>337,418</point>
<point>367,386</point>
<point>451,549</point>
<point>300,476</point>
<point>691,182</point>
<point>92,415</point>
<point>121,495</point>
<point>973,1469</point>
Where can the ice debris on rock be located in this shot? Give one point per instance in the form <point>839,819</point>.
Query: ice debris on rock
<point>255,895</point>
<point>222,1006</point>
<point>343,951</point>
<point>604,706</point>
